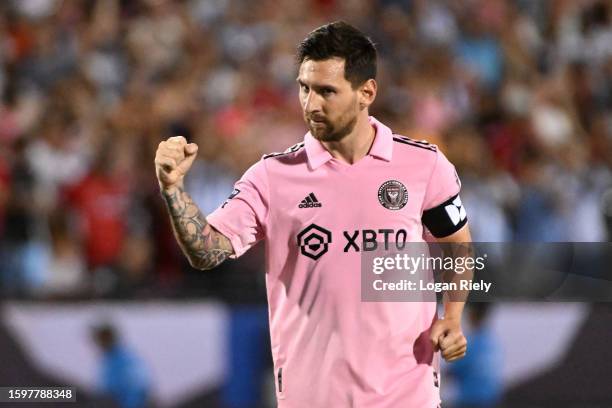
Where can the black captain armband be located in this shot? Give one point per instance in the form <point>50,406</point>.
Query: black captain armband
<point>445,219</point>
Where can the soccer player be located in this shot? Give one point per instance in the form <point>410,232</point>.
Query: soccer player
<point>351,180</point>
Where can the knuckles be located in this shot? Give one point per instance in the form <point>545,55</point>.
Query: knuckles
<point>175,142</point>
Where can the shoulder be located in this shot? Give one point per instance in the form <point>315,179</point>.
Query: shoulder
<point>289,152</point>
<point>272,163</point>
<point>411,144</point>
<point>290,158</point>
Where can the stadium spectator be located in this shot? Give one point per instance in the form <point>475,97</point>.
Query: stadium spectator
<point>123,375</point>
<point>478,375</point>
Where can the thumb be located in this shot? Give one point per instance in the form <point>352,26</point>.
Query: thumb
<point>191,149</point>
<point>437,331</point>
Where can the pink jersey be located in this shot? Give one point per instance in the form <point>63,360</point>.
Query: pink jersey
<point>330,349</point>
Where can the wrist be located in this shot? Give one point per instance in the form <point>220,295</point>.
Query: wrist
<point>171,189</point>
<point>452,316</point>
<point>453,311</point>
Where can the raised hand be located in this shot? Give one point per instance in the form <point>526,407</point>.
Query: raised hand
<point>173,160</point>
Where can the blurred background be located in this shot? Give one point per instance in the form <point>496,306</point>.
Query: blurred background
<point>95,292</point>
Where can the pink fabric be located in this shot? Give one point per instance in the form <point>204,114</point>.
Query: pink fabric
<point>334,350</point>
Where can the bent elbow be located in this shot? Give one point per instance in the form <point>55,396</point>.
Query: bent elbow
<point>202,264</point>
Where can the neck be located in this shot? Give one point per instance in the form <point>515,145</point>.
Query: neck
<point>354,146</point>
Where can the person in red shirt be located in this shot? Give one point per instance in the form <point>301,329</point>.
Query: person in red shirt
<point>101,200</point>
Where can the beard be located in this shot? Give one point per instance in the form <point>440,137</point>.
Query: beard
<point>325,131</point>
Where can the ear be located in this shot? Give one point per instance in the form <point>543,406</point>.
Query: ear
<point>367,93</point>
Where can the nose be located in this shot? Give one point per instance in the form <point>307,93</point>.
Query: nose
<point>312,102</point>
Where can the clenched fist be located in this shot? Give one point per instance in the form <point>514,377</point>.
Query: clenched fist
<point>173,160</point>
<point>446,336</point>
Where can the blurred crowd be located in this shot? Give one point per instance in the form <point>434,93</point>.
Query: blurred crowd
<point>517,93</point>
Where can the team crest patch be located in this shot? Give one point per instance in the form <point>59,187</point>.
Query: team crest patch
<point>393,195</point>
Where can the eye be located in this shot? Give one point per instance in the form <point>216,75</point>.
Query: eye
<point>304,88</point>
<point>327,92</point>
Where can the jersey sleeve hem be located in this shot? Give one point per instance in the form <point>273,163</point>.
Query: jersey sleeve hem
<point>234,238</point>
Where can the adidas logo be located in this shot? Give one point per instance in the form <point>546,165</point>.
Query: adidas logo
<point>310,202</point>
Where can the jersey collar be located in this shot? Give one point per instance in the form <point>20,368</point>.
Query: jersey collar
<point>382,147</point>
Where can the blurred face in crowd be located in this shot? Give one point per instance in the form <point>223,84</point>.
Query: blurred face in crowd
<point>104,337</point>
<point>329,103</point>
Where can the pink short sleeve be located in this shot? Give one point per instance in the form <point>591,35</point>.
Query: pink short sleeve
<point>443,184</point>
<point>241,218</point>
<point>443,211</point>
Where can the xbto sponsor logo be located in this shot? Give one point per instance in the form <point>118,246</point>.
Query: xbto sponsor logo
<point>314,240</point>
<point>370,239</point>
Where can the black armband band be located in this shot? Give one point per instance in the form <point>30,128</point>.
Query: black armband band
<point>445,219</point>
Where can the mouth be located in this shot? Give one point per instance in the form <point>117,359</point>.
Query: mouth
<point>317,122</point>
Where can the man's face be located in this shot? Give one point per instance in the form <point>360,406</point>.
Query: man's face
<point>329,104</point>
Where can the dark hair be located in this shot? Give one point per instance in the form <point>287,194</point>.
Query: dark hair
<point>105,335</point>
<point>342,40</point>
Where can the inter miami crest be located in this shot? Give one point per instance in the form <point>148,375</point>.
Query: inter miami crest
<point>314,241</point>
<point>393,195</point>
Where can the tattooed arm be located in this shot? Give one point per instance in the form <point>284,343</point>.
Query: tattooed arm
<point>204,246</point>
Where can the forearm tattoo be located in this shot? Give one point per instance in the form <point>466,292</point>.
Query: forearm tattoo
<point>204,246</point>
